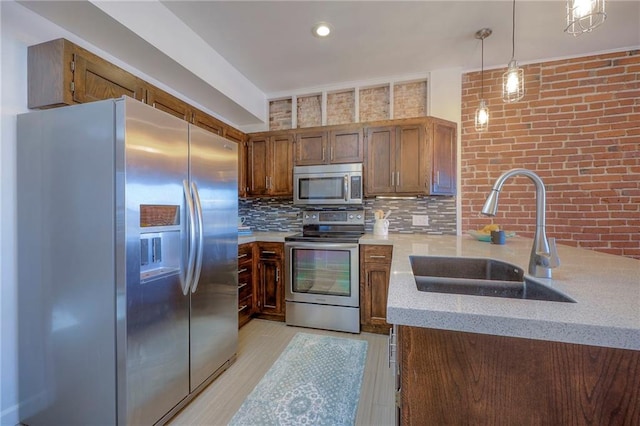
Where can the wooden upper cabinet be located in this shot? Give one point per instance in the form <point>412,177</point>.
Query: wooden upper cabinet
<point>257,165</point>
<point>163,101</point>
<point>415,157</point>
<point>411,167</point>
<point>332,146</point>
<point>270,164</point>
<point>95,80</point>
<point>206,122</point>
<point>61,73</point>
<point>443,157</point>
<point>233,134</point>
<point>281,180</point>
<point>310,148</point>
<point>396,160</point>
<point>346,145</point>
<point>381,162</point>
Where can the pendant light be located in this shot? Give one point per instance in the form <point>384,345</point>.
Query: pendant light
<point>513,79</point>
<point>584,15</point>
<point>482,113</point>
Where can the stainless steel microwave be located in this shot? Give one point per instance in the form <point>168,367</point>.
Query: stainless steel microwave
<point>331,184</point>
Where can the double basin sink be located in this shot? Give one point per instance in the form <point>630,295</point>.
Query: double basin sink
<point>479,277</point>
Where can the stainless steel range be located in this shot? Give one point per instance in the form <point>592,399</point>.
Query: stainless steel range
<point>322,264</point>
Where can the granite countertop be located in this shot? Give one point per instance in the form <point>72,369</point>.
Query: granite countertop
<point>605,287</point>
<point>270,237</point>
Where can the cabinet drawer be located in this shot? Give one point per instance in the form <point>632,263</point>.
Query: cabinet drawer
<point>377,253</point>
<point>245,309</point>
<point>270,250</point>
<point>245,252</point>
<point>244,288</point>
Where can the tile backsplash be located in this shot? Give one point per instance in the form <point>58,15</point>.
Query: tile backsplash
<point>272,214</point>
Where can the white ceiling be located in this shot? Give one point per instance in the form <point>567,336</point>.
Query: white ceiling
<point>242,52</point>
<point>271,42</point>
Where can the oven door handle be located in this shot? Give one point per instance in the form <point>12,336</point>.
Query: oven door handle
<point>321,246</point>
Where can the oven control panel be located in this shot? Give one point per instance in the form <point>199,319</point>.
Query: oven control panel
<point>333,217</point>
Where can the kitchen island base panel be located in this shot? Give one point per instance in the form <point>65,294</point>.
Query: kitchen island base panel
<point>325,317</point>
<point>451,377</point>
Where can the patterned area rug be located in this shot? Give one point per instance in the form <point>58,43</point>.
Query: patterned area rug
<point>315,381</point>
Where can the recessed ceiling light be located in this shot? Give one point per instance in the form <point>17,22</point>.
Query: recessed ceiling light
<point>321,29</point>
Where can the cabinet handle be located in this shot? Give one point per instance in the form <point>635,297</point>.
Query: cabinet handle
<point>243,255</point>
<point>376,256</point>
<point>266,182</point>
<point>323,157</point>
<point>243,308</point>
<point>242,270</point>
<point>438,177</point>
<point>398,179</point>
<point>242,285</point>
<point>277,274</point>
<point>268,252</point>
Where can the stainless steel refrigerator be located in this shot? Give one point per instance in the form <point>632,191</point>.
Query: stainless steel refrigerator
<point>127,263</point>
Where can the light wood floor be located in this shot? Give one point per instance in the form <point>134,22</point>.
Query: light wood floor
<point>260,344</point>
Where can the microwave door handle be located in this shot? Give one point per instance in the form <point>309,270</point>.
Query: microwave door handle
<point>346,188</point>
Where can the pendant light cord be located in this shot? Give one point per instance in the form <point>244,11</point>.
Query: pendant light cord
<point>513,30</point>
<point>482,71</point>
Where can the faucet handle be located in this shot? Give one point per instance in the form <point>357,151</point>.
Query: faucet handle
<point>554,259</point>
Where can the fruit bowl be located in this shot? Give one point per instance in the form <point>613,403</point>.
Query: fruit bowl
<point>483,236</point>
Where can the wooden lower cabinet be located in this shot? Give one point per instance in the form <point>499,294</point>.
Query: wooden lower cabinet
<point>270,283</point>
<point>246,284</point>
<point>450,377</point>
<point>375,270</point>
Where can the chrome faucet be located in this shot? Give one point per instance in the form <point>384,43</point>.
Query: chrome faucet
<point>544,254</point>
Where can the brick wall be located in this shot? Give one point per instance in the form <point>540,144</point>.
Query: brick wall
<point>341,107</point>
<point>578,127</point>
<point>310,111</point>
<point>280,114</point>
<point>374,104</point>
<point>410,100</point>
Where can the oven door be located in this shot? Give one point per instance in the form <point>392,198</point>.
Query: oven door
<point>322,273</point>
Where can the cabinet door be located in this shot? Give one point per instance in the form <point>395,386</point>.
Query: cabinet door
<point>411,150</point>
<point>168,103</point>
<point>380,174</point>
<point>233,134</point>
<point>311,148</point>
<point>95,80</point>
<point>257,165</point>
<point>376,288</point>
<point>443,161</point>
<point>281,171</point>
<point>206,122</point>
<point>346,146</point>
<point>374,285</point>
<point>270,286</point>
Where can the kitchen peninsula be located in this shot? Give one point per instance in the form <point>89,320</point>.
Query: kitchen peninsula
<point>511,361</point>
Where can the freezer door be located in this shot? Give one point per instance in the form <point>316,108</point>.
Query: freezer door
<point>214,304</point>
<point>157,309</point>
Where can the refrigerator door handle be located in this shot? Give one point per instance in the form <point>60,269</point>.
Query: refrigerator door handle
<point>186,284</point>
<point>198,261</point>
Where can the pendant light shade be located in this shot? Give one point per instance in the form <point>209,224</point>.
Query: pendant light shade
<point>482,113</point>
<point>482,117</point>
<point>513,83</point>
<point>584,15</point>
<point>513,79</point>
